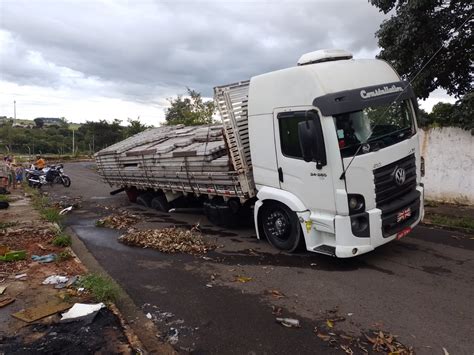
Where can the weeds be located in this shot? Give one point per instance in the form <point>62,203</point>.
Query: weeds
<point>62,240</point>
<point>52,215</point>
<point>455,222</point>
<point>64,256</point>
<point>42,205</point>
<point>5,225</point>
<point>4,198</point>
<point>102,288</point>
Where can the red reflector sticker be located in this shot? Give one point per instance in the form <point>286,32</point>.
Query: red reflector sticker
<point>403,233</point>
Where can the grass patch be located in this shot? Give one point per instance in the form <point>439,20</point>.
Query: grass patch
<point>4,198</point>
<point>51,215</point>
<point>5,225</point>
<point>454,222</point>
<point>42,205</point>
<point>64,256</point>
<point>62,240</point>
<point>102,288</point>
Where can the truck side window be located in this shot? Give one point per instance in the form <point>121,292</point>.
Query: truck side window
<point>288,125</point>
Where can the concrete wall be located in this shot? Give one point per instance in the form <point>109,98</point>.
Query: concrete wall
<point>449,162</point>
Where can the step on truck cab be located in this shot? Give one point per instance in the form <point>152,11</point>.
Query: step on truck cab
<point>333,147</point>
<point>325,153</point>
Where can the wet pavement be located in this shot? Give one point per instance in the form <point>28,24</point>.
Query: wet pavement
<point>419,288</point>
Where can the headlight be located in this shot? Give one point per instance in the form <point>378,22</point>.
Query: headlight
<point>356,203</point>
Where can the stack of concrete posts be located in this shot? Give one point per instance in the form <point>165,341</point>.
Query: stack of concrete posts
<point>191,159</point>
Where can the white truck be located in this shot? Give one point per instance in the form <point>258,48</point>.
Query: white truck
<point>325,153</point>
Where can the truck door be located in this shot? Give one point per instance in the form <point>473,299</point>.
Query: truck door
<point>312,186</point>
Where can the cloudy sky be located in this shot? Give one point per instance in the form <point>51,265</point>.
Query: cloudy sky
<point>105,59</point>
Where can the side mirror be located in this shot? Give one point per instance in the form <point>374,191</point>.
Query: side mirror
<point>307,138</point>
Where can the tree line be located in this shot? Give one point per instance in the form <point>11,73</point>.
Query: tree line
<point>58,139</point>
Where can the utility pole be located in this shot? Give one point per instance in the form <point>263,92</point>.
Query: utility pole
<point>14,110</point>
<point>73,148</point>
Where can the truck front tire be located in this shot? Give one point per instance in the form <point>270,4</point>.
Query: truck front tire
<point>280,226</point>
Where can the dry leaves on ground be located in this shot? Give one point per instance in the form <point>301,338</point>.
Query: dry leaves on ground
<point>387,343</point>
<point>121,220</point>
<point>168,240</point>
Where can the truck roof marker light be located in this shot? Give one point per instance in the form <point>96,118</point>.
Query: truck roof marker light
<point>324,55</point>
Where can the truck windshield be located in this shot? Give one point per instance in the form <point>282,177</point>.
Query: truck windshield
<point>379,126</point>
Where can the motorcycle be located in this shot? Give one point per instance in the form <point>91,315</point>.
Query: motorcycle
<point>50,175</point>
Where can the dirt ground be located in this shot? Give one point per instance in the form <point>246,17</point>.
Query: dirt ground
<point>22,228</point>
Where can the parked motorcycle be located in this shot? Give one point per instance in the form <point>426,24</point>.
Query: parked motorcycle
<point>50,175</point>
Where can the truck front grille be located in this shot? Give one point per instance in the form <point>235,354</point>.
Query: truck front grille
<point>386,188</point>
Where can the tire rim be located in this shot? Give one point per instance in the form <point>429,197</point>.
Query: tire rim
<point>277,224</point>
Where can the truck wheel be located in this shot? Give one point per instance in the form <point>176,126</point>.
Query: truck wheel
<point>144,199</point>
<point>281,226</point>
<point>160,203</point>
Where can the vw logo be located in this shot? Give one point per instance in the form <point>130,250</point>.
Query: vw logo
<point>399,175</point>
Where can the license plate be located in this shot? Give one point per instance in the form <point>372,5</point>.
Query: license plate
<point>403,215</point>
<point>403,233</point>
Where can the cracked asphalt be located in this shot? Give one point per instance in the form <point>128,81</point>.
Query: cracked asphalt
<point>419,288</point>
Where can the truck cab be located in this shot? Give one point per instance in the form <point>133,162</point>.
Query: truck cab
<point>335,155</point>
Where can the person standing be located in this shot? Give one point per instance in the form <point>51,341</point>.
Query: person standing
<point>40,163</point>
<point>4,176</point>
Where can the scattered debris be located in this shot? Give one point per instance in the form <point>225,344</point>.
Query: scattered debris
<point>34,313</point>
<point>2,289</point>
<point>275,293</point>
<point>21,276</point>
<point>289,322</point>
<point>72,281</point>
<point>55,279</point>
<point>242,279</point>
<point>445,352</point>
<point>83,312</point>
<point>277,311</point>
<point>121,220</point>
<point>347,349</point>
<point>148,315</point>
<point>6,301</point>
<point>66,210</point>
<point>209,285</point>
<point>387,343</point>
<point>172,336</point>
<point>329,323</point>
<point>168,240</point>
<point>48,258</point>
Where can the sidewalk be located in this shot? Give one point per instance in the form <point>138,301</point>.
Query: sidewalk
<point>22,294</point>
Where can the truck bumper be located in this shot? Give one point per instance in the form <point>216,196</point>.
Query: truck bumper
<point>340,240</point>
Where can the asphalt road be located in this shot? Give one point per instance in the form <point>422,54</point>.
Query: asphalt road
<point>419,288</point>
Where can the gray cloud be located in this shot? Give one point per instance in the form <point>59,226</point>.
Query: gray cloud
<point>145,51</point>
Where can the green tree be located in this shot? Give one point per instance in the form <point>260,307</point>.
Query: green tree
<point>190,111</point>
<point>134,127</point>
<point>101,134</point>
<point>442,114</point>
<point>415,33</point>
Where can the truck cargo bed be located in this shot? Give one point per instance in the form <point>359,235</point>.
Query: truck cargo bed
<point>192,159</point>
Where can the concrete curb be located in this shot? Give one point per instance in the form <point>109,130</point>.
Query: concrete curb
<point>133,319</point>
